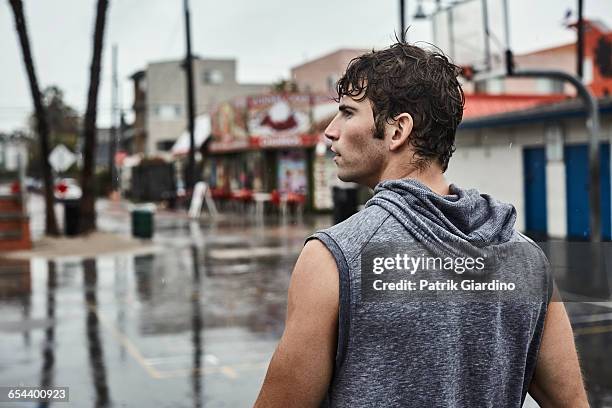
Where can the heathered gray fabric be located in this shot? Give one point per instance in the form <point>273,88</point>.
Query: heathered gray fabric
<point>432,354</point>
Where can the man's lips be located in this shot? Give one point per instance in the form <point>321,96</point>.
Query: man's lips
<point>336,157</point>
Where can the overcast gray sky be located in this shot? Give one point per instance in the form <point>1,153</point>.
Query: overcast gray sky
<point>267,37</point>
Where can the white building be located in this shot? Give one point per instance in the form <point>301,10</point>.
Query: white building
<point>164,87</point>
<point>537,159</point>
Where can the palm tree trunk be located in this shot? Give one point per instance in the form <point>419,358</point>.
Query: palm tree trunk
<point>88,201</point>
<point>42,126</point>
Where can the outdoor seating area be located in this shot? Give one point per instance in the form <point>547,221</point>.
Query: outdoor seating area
<point>259,204</point>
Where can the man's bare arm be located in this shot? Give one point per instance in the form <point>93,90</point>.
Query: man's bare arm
<point>557,381</point>
<point>301,367</point>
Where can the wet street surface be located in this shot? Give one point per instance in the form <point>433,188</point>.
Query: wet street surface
<point>193,324</point>
<point>143,331</point>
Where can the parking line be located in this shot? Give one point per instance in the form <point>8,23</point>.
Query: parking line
<point>127,343</point>
<point>230,371</point>
<point>581,331</point>
<point>591,318</point>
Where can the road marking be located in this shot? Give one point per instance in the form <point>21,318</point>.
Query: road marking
<point>209,358</point>
<point>127,343</point>
<point>230,371</point>
<point>591,318</point>
<point>607,305</point>
<point>581,331</point>
<point>249,253</point>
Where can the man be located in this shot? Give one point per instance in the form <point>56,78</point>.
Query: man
<point>395,132</point>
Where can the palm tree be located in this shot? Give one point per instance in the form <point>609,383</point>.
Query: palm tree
<point>42,124</point>
<point>87,209</point>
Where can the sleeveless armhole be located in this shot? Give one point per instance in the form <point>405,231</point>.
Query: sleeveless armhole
<point>344,300</point>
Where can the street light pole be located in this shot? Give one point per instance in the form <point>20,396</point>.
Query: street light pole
<point>487,47</point>
<point>402,12</point>
<point>190,176</point>
<point>112,142</point>
<point>580,45</point>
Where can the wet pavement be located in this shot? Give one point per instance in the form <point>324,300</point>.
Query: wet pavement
<point>191,325</point>
<point>194,324</point>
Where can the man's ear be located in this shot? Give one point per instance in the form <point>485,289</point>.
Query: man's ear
<point>401,131</point>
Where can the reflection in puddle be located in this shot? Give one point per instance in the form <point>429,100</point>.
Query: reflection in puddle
<point>96,352</point>
<point>48,357</point>
<point>196,313</point>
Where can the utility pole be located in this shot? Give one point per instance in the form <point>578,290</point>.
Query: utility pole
<point>402,12</point>
<point>580,45</point>
<point>112,143</point>
<point>487,47</point>
<point>190,176</point>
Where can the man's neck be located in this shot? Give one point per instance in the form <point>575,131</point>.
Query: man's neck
<point>432,177</point>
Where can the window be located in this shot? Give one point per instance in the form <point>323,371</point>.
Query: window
<point>166,111</point>
<point>165,145</point>
<point>587,71</point>
<point>480,87</point>
<point>490,86</point>
<point>212,77</point>
<point>332,80</point>
<point>496,86</point>
<point>548,86</point>
<point>553,136</point>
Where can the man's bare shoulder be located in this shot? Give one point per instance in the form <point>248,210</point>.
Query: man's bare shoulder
<point>316,249</point>
<point>350,234</point>
<point>315,271</point>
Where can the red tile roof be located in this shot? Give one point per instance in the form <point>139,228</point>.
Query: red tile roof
<point>480,105</point>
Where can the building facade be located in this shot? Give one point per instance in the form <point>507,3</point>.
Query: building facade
<point>321,74</point>
<point>164,88</point>
<point>537,160</point>
<point>597,67</point>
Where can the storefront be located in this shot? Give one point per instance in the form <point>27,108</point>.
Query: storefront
<point>324,175</point>
<point>277,153</point>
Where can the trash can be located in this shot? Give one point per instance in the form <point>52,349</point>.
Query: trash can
<point>345,202</point>
<point>72,217</point>
<point>142,221</point>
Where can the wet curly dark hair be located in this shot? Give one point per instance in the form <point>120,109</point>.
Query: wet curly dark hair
<point>408,78</point>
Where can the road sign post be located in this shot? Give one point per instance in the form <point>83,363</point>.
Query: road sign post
<point>61,158</point>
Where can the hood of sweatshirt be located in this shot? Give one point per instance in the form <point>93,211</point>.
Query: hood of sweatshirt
<point>463,223</point>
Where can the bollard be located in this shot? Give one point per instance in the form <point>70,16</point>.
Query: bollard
<point>143,221</point>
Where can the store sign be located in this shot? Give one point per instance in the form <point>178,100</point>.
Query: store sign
<point>284,140</point>
<point>229,146</point>
<point>292,172</point>
<point>228,121</point>
<point>279,115</point>
<point>278,141</point>
<point>324,174</point>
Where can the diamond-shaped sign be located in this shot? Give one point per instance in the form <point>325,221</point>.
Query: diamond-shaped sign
<point>61,158</point>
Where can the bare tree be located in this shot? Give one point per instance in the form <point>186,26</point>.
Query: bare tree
<point>42,124</point>
<point>88,201</point>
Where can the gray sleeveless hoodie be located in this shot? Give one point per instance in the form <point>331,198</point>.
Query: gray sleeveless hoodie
<point>446,353</point>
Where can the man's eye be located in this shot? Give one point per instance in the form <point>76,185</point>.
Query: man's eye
<point>347,113</point>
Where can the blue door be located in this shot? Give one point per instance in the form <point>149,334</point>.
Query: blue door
<point>577,190</point>
<point>534,171</point>
<point>604,173</point>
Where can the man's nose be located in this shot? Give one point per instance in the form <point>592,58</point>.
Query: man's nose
<point>332,132</point>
